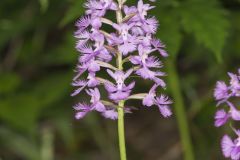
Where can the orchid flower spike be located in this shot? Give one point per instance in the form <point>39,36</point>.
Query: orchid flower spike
<point>133,41</point>
<point>223,93</point>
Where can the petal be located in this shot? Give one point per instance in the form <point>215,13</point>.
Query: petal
<point>135,60</point>
<point>105,56</point>
<point>127,47</point>
<point>221,91</point>
<point>93,66</point>
<point>119,96</point>
<point>129,87</point>
<point>96,23</point>
<point>163,52</point>
<point>145,73</point>
<point>80,115</point>
<point>153,62</point>
<point>83,22</point>
<point>160,82</point>
<point>96,94</point>
<point>140,4</point>
<point>163,100</point>
<point>79,83</point>
<point>153,89</point>
<point>227,146</point>
<point>235,154</point>
<point>235,115</point>
<point>99,107</point>
<point>165,111</point>
<point>128,73</point>
<point>110,88</point>
<point>116,26</point>
<point>113,6</point>
<point>77,91</point>
<point>150,25</point>
<point>81,106</point>
<point>221,118</point>
<point>111,73</point>
<point>92,80</point>
<point>148,100</point>
<point>111,114</point>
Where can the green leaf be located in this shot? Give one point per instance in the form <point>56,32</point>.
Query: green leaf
<point>207,22</point>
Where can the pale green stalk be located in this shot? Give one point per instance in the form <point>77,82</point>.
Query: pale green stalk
<point>121,134</point>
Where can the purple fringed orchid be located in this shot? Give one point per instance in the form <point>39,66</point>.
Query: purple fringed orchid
<point>125,41</point>
<point>132,42</point>
<point>120,91</point>
<point>223,94</point>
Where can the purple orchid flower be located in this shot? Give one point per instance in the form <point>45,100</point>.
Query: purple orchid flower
<point>143,9</point>
<point>95,100</point>
<point>120,91</point>
<point>91,66</point>
<point>91,82</point>
<point>109,4</point>
<point>127,42</point>
<point>221,116</point>
<point>145,62</point>
<point>86,22</point>
<point>163,103</point>
<point>221,91</point>
<point>88,53</point>
<point>230,148</point>
<point>157,44</point>
<point>99,8</point>
<point>132,42</point>
<point>149,99</point>
<point>223,94</point>
<point>235,84</point>
<point>82,110</point>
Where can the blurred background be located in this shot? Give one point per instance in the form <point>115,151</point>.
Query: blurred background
<point>37,59</point>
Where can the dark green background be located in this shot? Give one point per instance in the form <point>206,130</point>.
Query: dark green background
<point>37,59</point>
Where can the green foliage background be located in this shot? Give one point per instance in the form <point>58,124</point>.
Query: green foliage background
<point>37,58</point>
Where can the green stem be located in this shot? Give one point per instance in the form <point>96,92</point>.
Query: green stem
<point>180,110</point>
<point>121,135</point>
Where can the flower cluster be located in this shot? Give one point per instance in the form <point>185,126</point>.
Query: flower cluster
<point>225,94</point>
<point>132,42</point>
